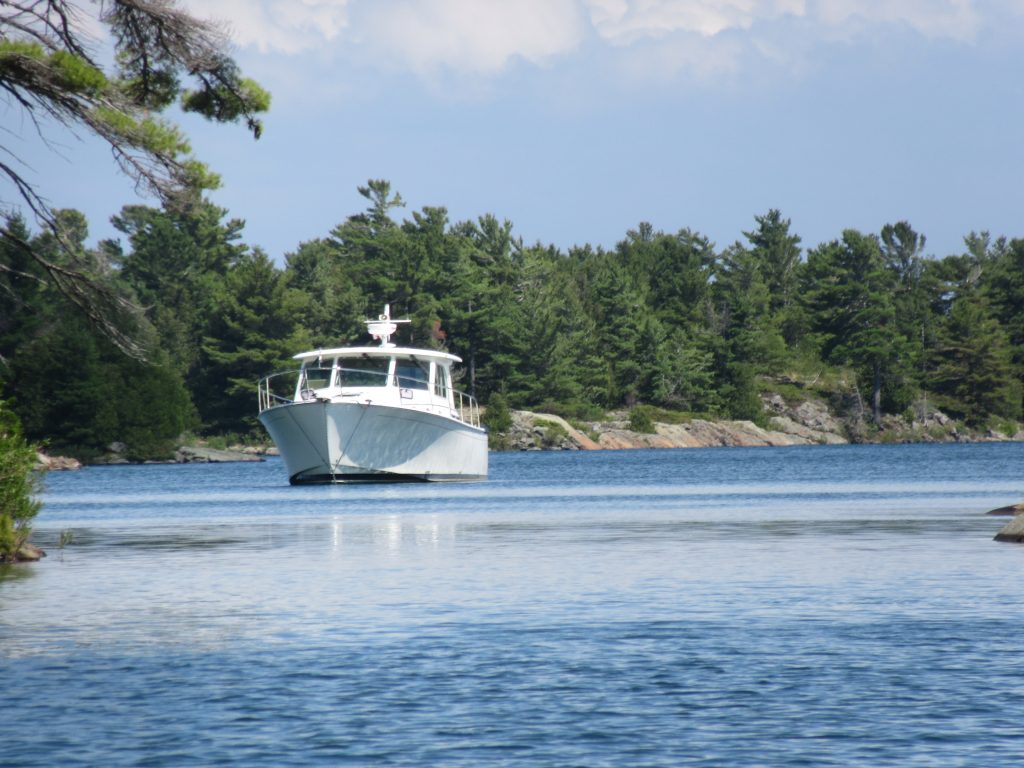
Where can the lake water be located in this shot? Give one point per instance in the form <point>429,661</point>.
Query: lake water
<point>797,606</point>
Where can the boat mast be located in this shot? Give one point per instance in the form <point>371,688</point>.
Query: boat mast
<point>384,327</point>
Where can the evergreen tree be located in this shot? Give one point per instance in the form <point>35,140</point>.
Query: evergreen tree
<point>912,296</point>
<point>372,251</point>
<point>743,303</point>
<point>550,363</point>
<point>974,363</point>
<point>255,331</point>
<point>1002,280</point>
<point>687,375</point>
<point>49,69</point>
<point>336,305</point>
<point>23,290</point>
<point>486,317</point>
<point>620,322</point>
<point>174,266</point>
<point>73,388</point>
<point>670,273</point>
<point>777,255</point>
<point>848,291</point>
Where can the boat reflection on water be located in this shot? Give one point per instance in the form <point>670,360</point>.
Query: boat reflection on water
<point>393,533</point>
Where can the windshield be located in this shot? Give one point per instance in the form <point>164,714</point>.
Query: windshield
<point>316,378</point>
<point>412,374</point>
<point>363,371</point>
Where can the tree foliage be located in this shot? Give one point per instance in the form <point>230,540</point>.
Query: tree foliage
<point>19,484</point>
<point>49,73</point>
<point>660,319</point>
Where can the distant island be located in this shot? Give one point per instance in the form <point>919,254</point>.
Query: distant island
<point>863,338</point>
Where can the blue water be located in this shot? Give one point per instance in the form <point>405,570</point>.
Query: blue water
<point>799,606</point>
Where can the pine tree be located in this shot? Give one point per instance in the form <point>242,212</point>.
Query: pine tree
<point>848,292</point>
<point>777,254</point>
<point>253,332</point>
<point>974,363</point>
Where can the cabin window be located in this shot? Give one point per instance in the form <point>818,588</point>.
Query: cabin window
<point>363,371</point>
<point>412,374</point>
<point>441,382</point>
<point>316,378</point>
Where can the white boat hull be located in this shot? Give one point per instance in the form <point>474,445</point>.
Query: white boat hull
<point>330,442</point>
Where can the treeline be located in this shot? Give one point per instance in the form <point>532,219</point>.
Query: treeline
<point>665,319</point>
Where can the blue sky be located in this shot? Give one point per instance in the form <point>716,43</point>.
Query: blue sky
<point>577,119</point>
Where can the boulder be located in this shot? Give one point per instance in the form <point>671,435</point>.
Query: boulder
<point>109,459</point>
<point>30,553</point>
<point>189,454</point>
<point>1013,531</point>
<point>56,463</point>
<point>1013,509</point>
<point>801,434</point>
<point>815,415</point>
<point>527,435</point>
<point>811,422</point>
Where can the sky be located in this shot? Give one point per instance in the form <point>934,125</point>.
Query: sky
<point>578,119</point>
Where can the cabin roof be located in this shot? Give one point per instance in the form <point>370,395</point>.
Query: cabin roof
<point>419,354</point>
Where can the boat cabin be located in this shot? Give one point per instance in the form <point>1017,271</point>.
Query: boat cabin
<point>388,375</point>
<point>403,377</point>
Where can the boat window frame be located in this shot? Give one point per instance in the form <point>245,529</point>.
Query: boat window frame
<point>410,382</point>
<point>384,370</point>
<point>315,365</point>
<point>442,380</point>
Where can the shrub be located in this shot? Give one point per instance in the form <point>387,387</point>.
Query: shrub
<point>18,484</point>
<point>640,420</point>
<point>665,416</point>
<point>572,410</point>
<point>585,428</point>
<point>497,417</point>
<point>554,433</point>
<point>1004,427</point>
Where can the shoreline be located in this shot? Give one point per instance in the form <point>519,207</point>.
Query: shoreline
<point>809,424</point>
<point>187,454</point>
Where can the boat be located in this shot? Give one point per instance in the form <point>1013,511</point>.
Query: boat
<point>373,414</point>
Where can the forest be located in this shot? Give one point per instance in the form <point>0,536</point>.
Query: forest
<point>663,319</point>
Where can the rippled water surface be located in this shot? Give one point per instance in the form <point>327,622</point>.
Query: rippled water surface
<point>799,606</point>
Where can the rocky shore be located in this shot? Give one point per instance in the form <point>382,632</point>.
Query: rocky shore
<point>808,423</point>
<point>186,454</point>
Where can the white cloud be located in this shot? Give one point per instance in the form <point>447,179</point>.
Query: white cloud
<point>625,21</point>
<point>950,19</point>
<point>698,58</point>
<point>482,37</point>
<point>283,26</point>
<point>472,36</point>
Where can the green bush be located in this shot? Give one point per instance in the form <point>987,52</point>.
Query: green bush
<point>665,416</point>
<point>554,433</point>
<point>640,420</point>
<point>572,410</point>
<point>19,482</point>
<point>585,428</point>
<point>1005,427</point>
<point>497,417</point>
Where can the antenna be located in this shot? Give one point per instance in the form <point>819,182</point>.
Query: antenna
<point>384,327</point>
